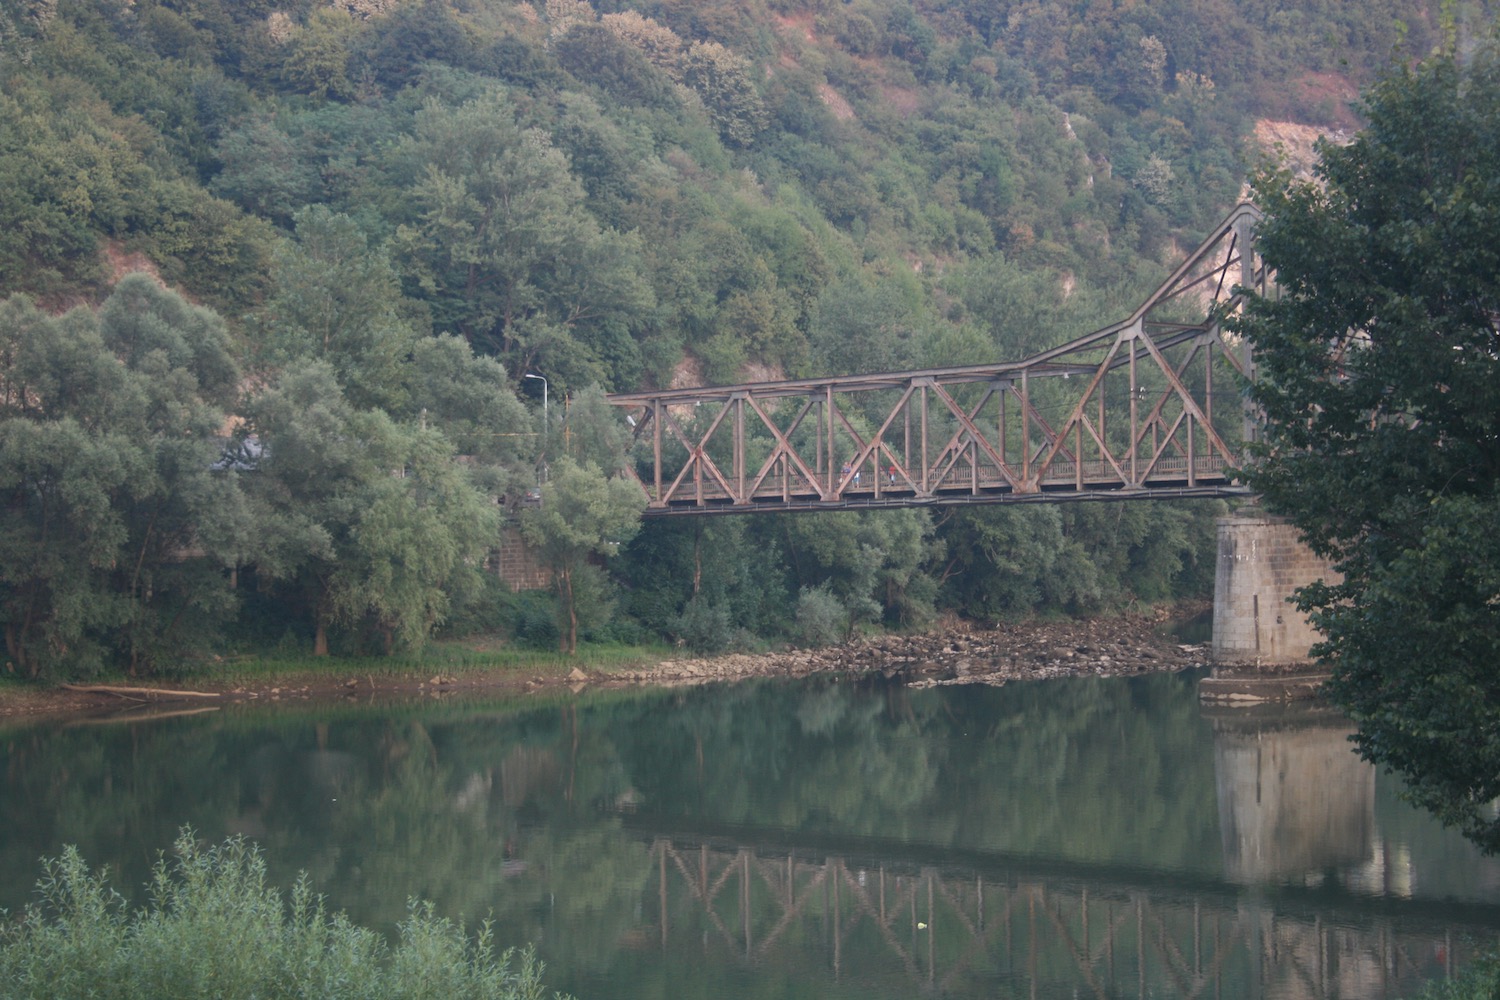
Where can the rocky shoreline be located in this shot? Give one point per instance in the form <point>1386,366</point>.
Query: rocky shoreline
<point>962,654</point>
<point>956,653</point>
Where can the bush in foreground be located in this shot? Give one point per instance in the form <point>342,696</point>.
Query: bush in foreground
<point>1481,981</point>
<point>213,928</point>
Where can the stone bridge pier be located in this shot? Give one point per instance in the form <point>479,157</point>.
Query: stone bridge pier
<point>1261,561</point>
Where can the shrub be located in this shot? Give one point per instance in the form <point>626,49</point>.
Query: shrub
<point>214,928</point>
<point>533,621</point>
<point>704,627</point>
<point>822,619</point>
<point>1481,981</point>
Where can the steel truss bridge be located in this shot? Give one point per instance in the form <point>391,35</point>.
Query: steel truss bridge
<point>1149,406</point>
<point>1004,926</point>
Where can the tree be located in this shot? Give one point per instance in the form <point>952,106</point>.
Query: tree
<point>871,561</point>
<point>583,514</point>
<point>339,300</point>
<point>115,530</point>
<point>860,325</point>
<point>373,520</point>
<point>722,79</point>
<point>317,61</point>
<point>1379,373</point>
<point>505,251</point>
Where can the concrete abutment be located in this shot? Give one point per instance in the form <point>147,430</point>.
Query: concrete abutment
<point>1261,562</point>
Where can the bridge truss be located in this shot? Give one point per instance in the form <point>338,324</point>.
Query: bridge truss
<point>1148,406</point>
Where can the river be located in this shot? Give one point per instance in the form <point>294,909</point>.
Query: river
<point>834,837</point>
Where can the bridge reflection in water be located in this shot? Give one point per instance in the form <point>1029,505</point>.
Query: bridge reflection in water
<point>1315,895</point>
<point>962,931</point>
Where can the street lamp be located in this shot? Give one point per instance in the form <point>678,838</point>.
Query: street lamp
<point>541,472</point>
<point>546,426</point>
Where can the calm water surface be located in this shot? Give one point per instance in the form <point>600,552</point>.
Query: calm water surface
<point>820,839</point>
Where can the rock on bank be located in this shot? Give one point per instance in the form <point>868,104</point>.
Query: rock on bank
<point>960,655</point>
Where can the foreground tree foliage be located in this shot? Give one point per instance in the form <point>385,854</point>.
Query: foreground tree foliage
<point>214,927</point>
<point>1379,369</point>
<point>115,531</point>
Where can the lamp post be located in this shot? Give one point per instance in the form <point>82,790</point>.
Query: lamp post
<point>546,429</point>
<point>546,426</point>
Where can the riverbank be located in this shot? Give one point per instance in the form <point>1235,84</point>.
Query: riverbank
<point>962,654</point>
<point>957,653</point>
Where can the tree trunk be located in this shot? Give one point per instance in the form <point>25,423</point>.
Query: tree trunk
<point>697,558</point>
<point>17,651</point>
<point>320,593</point>
<point>572,637</point>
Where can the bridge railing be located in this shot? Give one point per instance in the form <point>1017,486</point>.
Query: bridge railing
<point>1150,405</point>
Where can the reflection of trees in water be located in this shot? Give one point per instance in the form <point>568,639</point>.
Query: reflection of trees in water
<point>439,801</point>
<point>519,812</point>
<point>1074,768</point>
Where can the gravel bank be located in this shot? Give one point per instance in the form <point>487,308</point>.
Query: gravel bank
<point>1106,647</point>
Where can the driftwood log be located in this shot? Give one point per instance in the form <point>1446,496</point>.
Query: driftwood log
<point>144,693</point>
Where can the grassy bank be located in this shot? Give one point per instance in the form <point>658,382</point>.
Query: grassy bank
<point>449,659</point>
<point>449,664</point>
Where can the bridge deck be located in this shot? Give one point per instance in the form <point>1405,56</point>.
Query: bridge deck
<point>1170,480</point>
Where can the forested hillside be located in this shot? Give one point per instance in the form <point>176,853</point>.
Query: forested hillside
<point>360,223</point>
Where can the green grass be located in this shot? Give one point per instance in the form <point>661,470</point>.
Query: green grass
<point>449,658</point>
<point>213,928</point>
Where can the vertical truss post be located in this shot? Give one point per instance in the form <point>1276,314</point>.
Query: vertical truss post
<point>739,449</point>
<point>1002,392</point>
<point>1103,428</point>
<point>818,445</point>
<point>697,456</point>
<point>1135,417</point>
<point>833,460</point>
<point>1243,228</point>
<point>1192,471</point>
<point>1026,428</point>
<point>926,479</point>
<point>656,428</point>
<point>1208,381</point>
<point>906,434</point>
<point>1078,456</point>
